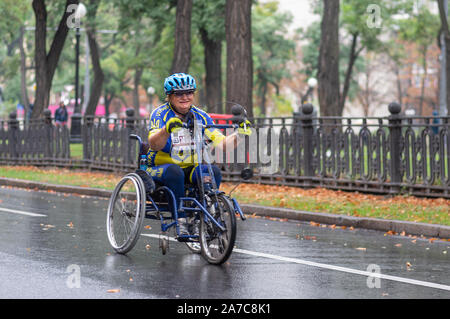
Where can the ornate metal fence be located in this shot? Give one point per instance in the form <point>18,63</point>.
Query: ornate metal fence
<point>394,154</point>
<point>386,155</point>
<point>37,143</point>
<point>106,142</point>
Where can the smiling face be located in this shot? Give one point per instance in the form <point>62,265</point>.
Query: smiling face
<point>182,101</point>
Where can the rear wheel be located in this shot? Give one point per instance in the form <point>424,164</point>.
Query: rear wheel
<point>217,244</point>
<point>126,212</point>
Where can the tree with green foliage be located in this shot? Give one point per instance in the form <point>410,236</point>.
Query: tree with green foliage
<point>359,28</point>
<point>272,49</point>
<point>46,62</point>
<point>446,32</point>
<point>422,28</point>
<point>182,50</point>
<point>209,18</point>
<point>239,81</point>
<point>13,66</point>
<point>328,71</point>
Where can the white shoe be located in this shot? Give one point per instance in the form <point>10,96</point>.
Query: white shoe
<point>182,224</point>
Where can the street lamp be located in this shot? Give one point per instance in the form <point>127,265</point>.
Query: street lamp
<point>75,132</point>
<point>312,83</point>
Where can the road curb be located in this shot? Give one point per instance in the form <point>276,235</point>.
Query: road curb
<point>409,228</point>
<point>88,191</point>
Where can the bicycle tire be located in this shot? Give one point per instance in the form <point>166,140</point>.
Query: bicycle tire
<point>126,212</point>
<point>217,245</point>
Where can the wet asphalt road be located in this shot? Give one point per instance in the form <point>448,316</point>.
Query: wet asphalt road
<point>62,251</point>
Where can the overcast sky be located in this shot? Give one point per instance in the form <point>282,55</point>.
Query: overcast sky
<point>301,11</point>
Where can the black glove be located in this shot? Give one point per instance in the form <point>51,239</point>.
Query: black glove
<point>245,127</point>
<point>173,125</point>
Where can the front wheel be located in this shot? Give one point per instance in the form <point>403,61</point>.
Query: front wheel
<point>216,244</point>
<point>126,212</point>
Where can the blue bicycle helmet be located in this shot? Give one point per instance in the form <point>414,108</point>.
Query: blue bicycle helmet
<point>179,82</point>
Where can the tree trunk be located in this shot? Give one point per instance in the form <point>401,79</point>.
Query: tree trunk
<point>23,74</point>
<point>213,68</point>
<point>445,29</point>
<point>263,99</point>
<point>182,51</point>
<point>348,75</point>
<point>137,79</point>
<point>94,50</point>
<point>46,63</point>
<point>239,54</point>
<point>424,77</point>
<point>96,89</point>
<point>328,75</point>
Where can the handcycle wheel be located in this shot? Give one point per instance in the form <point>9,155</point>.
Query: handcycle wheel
<point>126,212</point>
<point>217,245</point>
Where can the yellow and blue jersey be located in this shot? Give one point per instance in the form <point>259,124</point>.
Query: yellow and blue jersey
<point>177,149</point>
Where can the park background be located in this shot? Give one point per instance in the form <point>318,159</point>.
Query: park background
<point>388,51</point>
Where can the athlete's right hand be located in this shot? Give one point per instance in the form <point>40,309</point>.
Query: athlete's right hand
<point>173,125</point>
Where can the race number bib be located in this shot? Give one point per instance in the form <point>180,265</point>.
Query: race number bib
<point>182,146</point>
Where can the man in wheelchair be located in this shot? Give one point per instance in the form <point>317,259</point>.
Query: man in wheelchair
<point>171,161</point>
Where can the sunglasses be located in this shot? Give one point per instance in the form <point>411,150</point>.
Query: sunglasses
<point>180,94</point>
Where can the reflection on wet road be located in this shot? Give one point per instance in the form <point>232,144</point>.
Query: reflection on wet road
<point>55,246</point>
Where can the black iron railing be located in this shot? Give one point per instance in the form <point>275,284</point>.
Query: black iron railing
<point>396,154</point>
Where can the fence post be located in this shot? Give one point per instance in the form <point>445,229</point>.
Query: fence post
<point>307,132</point>
<point>48,129</point>
<point>13,127</point>
<point>130,124</point>
<point>395,133</point>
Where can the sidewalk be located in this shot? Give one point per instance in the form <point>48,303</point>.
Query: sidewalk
<point>408,228</point>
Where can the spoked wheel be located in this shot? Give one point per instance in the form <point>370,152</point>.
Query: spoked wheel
<point>194,246</point>
<point>217,245</point>
<point>126,212</point>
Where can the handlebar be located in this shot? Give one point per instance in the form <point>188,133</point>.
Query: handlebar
<point>219,126</point>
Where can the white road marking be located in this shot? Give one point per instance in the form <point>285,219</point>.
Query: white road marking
<point>332,267</point>
<point>21,212</point>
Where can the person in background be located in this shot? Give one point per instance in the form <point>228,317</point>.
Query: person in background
<point>61,115</point>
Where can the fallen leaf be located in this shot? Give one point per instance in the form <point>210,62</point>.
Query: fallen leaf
<point>113,290</point>
<point>361,248</point>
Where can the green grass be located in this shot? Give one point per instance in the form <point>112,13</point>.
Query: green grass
<point>76,150</point>
<point>406,208</point>
<point>62,176</point>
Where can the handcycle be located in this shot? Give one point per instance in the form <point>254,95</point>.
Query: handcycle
<point>211,211</point>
